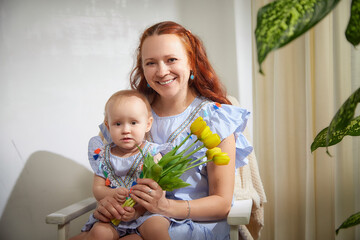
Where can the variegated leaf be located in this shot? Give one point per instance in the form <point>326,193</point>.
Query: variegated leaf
<point>353,129</point>
<point>352,32</point>
<point>281,21</point>
<point>344,115</point>
<point>351,221</point>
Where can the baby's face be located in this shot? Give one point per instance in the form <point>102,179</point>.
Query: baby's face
<point>128,121</point>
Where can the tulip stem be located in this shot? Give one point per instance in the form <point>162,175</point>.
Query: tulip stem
<point>128,203</point>
<point>184,151</point>
<point>183,159</point>
<point>197,149</point>
<point>200,163</point>
<point>171,167</point>
<point>182,143</point>
<point>196,160</point>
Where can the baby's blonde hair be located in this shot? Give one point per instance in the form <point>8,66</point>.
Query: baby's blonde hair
<point>126,93</point>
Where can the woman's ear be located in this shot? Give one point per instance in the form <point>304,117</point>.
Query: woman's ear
<point>149,123</point>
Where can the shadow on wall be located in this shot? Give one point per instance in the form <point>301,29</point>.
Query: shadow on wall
<point>47,183</point>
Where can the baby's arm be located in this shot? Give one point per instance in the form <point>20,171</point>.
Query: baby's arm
<point>100,190</point>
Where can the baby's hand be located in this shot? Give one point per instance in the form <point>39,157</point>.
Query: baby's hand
<point>130,214</point>
<point>121,194</point>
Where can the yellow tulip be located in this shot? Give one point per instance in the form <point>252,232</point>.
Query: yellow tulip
<point>204,133</point>
<point>197,126</point>
<point>210,152</point>
<point>221,158</point>
<point>211,141</point>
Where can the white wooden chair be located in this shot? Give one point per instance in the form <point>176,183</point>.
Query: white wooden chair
<point>238,215</point>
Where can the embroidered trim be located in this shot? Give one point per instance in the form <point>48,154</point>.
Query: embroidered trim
<point>184,125</point>
<point>187,121</point>
<point>128,180</point>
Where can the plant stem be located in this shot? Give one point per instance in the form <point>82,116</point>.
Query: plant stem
<point>171,167</point>
<point>196,160</point>
<point>197,149</point>
<point>197,165</point>
<point>182,143</point>
<point>183,159</point>
<point>128,203</point>
<point>184,151</point>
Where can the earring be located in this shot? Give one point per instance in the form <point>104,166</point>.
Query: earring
<point>148,85</point>
<point>192,76</point>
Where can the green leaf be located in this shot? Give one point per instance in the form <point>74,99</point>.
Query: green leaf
<point>155,172</point>
<point>344,115</point>
<point>342,124</point>
<point>353,129</point>
<point>168,157</point>
<point>172,181</point>
<point>350,222</point>
<point>281,21</point>
<point>352,32</point>
<point>147,165</point>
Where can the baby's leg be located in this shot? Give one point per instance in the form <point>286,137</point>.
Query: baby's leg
<point>102,231</point>
<point>155,228</point>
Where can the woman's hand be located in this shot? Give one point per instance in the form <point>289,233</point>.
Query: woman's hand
<point>149,194</point>
<point>107,209</point>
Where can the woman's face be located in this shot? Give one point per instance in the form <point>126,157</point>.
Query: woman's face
<point>166,66</point>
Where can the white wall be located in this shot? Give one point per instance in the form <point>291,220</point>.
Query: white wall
<point>59,62</point>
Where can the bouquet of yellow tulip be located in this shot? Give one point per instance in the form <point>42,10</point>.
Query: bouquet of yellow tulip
<point>172,165</point>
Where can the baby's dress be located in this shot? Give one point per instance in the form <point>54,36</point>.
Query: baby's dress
<point>119,172</point>
<point>222,119</point>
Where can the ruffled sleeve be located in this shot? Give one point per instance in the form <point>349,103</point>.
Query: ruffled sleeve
<point>104,131</point>
<point>95,154</point>
<point>225,120</point>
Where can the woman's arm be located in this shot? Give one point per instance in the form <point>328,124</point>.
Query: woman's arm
<point>221,187</point>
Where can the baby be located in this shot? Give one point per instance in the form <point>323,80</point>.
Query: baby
<point>117,166</point>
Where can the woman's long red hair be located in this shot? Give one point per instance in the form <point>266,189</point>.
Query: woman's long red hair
<point>206,83</point>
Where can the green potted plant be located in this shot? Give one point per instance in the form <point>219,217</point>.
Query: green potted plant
<point>280,22</point>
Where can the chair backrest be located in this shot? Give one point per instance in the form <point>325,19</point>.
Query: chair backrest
<point>248,184</point>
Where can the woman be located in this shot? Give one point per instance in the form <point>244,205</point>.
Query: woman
<point>173,71</point>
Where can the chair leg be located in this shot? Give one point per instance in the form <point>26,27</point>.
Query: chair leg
<point>234,232</point>
<point>63,231</point>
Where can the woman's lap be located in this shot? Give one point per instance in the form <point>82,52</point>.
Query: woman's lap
<point>188,229</point>
<point>182,229</point>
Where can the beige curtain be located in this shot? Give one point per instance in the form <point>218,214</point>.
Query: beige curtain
<point>309,194</point>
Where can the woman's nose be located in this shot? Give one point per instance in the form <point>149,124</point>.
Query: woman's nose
<point>162,70</point>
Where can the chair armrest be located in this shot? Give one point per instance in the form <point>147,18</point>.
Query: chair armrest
<point>67,214</point>
<point>240,212</point>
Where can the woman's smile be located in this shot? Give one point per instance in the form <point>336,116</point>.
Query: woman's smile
<point>167,81</point>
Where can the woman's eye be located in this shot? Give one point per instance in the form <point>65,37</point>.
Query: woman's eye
<point>117,124</point>
<point>172,60</point>
<point>133,123</point>
<point>149,63</point>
